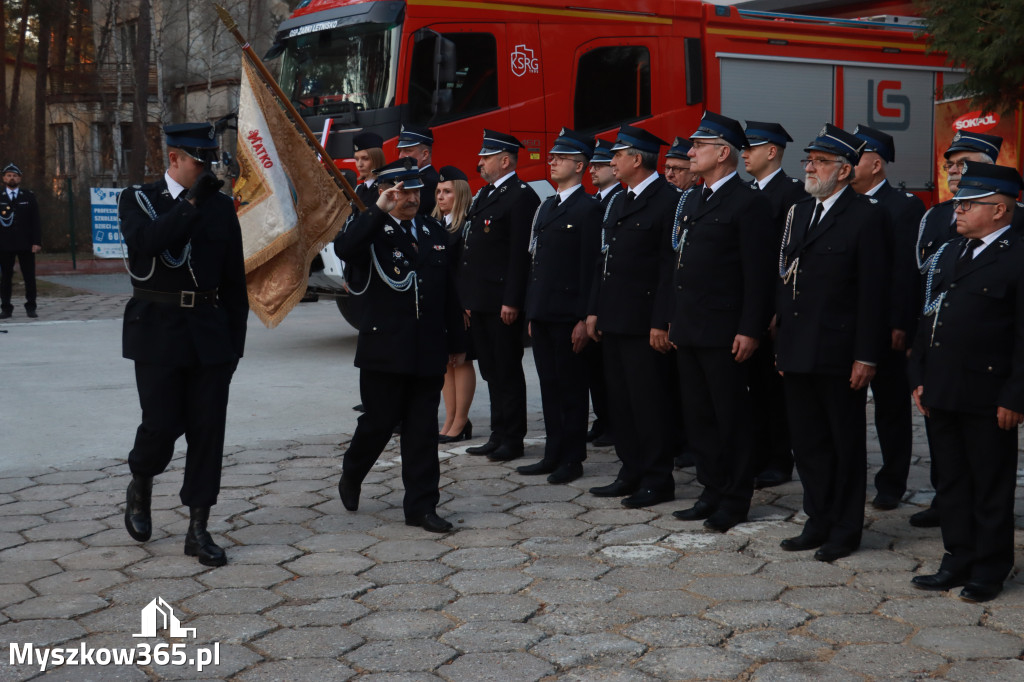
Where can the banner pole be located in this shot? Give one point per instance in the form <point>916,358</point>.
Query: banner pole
<point>232,27</point>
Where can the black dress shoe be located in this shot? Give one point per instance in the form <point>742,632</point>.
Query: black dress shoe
<point>506,453</point>
<point>830,552</point>
<point>886,501</point>
<point>802,542</point>
<point>199,543</point>
<point>943,580</point>
<point>349,492</point>
<point>544,466</point>
<point>723,520</point>
<point>32,313</point>
<point>929,518</point>
<point>137,518</point>
<point>567,473</point>
<point>617,488</point>
<point>485,449</point>
<point>770,478</point>
<point>647,497</point>
<point>977,591</point>
<point>605,440</point>
<point>700,510</point>
<point>4,314</point>
<point>431,522</point>
<point>359,408</point>
<point>465,434</point>
<point>596,431</point>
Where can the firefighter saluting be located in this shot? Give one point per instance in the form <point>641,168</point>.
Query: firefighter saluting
<point>184,327</point>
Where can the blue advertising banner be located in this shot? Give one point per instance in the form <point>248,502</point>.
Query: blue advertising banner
<point>106,238</point>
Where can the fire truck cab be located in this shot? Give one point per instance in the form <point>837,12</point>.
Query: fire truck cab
<point>529,67</point>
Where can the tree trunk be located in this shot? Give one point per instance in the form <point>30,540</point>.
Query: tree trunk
<point>37,169</point>
<point>12,109</point>
<point>140,108</point>
<point>3,76</point>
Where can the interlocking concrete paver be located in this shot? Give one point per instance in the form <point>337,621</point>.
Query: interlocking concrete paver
<point>400,655</point>
<point>539,582</point>
<point>488,636</point>
<point>887,660</point>
<point>496,667</point>
<point>965,642</point>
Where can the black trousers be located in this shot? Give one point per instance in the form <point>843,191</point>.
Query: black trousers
<point>499,350</point>
<point>595,379</point>
<point>563,391</point>
<point>183,400</point>
<point>639,401</point>
<point>975,470</point>
<point>387,400</point>
<point>717,410</point>
<point>27,263</point>
<point>770,426</point>
<point>893,421</point>
<point>827,426</point>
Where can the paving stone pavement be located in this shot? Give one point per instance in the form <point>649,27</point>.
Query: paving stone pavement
<point>538,582</point>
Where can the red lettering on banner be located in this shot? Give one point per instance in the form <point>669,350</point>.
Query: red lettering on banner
<point>976,121</point>
<point>258,149</point>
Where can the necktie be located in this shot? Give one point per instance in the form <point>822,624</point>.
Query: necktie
<point>558,200</point>
<point>12,194</point>
<point>968,255</point>
<point>409,228</point>
<point>706,193</point>
<point>630,197</point>
<point>816,217</point>
<point>486,192</point>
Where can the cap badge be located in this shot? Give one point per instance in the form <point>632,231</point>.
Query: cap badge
<point>824,132</point>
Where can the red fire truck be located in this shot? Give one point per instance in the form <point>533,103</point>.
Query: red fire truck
<point>529,67</point>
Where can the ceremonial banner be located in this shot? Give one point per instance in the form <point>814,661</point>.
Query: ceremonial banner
<point>289,206</point>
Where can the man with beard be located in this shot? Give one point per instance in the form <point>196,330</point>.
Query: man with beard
<point>830,335</point>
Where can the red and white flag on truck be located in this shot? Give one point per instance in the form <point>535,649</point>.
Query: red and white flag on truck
<point>289,206</point>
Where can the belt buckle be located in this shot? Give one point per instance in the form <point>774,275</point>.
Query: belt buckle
<point>188,299</point>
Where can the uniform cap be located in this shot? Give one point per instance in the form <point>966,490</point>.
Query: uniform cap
<point>965,141</point>
<point>191,136</point>
<point>876,141</point>
<point>602,152</point>
<point>364,141</point>
<point>496,143</point>
<point>11,168</point>
<point>833,140</point>
<point>411,135</point>
<point>760,132</point>
<point>638,138</point>
<point>448,173</point>
<point>678,150</point>
<point>403,170</point>
<point>571,142</point>
<point>715,125</point>
<point>985,179</point>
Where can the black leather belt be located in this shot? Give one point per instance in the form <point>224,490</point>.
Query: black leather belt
<point>182,299</point>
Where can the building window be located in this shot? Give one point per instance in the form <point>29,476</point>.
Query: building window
<point>452,76</point>
<point>613,85</point>
<point>64,152</point>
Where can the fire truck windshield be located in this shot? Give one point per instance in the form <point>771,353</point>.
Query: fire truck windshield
<point>337,69</point>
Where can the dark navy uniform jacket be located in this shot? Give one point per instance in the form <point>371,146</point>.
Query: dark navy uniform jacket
<point>723,283</point>
<point>429,178</point>
<point>167,334</point>
<point>25,229</point>
<point>975,361</point>
<point>836,312</point>
<point>904,211</point>
<point>495,258</point>
<point>411,331</point>
<point>782,191</point>
<point>568,242</point>
<point>629,295</point>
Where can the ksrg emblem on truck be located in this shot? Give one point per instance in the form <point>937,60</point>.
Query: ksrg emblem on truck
<point>523,61</point>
